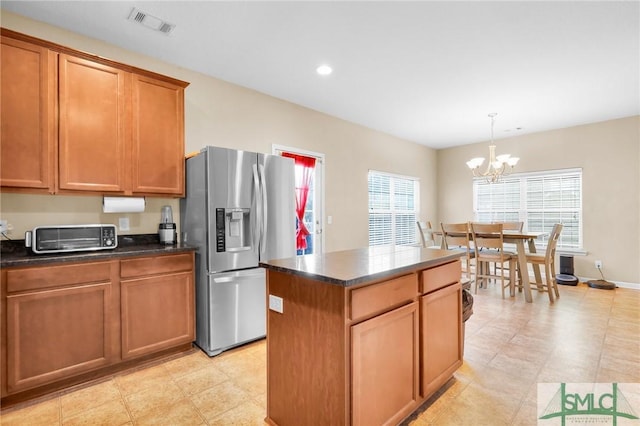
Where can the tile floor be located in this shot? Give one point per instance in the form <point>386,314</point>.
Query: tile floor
<point>588,335</point>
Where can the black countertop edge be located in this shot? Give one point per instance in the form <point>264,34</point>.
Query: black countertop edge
<point>365,278</point>
<point>14,254</point>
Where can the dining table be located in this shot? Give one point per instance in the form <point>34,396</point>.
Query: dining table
<point>518,238</point>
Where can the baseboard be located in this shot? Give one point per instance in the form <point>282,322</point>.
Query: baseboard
<point>632,286</point>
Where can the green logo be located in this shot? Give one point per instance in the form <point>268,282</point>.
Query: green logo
<point>591,405</point>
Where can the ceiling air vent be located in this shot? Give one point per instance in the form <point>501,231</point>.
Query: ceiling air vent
<point>149,21</point>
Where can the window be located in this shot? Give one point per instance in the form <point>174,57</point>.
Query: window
<point>538,199</point>
<point>393,209</point>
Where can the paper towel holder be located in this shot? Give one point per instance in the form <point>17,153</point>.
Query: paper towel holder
<point>123,204</point>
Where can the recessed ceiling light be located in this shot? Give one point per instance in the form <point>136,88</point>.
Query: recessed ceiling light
<point>324,70</point>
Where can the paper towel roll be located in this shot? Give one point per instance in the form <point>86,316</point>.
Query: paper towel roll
<point>123,204</point>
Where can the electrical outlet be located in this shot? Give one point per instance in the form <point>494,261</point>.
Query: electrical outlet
<point>4,227</point>
<point>598,264</point>
<point>123,223</point>
<point>276,303</point>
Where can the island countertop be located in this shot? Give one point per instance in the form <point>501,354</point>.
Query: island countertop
<point>351,267</point>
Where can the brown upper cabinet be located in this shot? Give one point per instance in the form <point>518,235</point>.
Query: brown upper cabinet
<point>92,126</point>
<point>158,122</point>
<point>74,122</point>
<point>27,104</point>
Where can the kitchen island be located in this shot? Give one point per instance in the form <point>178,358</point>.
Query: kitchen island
<point>361,337</point>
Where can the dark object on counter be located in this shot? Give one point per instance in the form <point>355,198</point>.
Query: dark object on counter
<point>167,228</point>
<point>71,238</point>
<point>10,247</point>
<point>167,233</point>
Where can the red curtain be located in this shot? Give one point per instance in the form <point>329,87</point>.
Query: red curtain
<point>304,173</point>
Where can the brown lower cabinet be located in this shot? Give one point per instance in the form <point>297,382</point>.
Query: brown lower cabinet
<point>83,320</point>
<point>157,304</point>
<point>384,353</point>
<point>363,355</point>
<point>441,343</point>
<point>60,326</point>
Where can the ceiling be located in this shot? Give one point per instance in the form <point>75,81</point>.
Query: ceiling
<point>428,72</point>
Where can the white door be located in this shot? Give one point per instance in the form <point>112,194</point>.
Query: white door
<point>313,215</point>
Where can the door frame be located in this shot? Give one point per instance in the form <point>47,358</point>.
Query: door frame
<point>277,149</point>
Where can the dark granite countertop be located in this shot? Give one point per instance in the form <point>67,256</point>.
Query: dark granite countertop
<point>351,267</point>
<point>13,253</point>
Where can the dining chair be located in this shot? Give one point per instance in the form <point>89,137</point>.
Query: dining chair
<point>488,243</point>
<point>426,235</point>
<point>547,259</point>
<point>510,226</point>
<point>455,236</point>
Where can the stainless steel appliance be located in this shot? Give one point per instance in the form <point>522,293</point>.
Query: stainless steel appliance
<point>239,209</point>
<point>167,228</point>
<point>69,238</point>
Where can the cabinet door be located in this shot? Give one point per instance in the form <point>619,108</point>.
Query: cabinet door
<point>157,313</point>
<point>27,118</point>
<point>55,334</point>
<point>93,126</point>
<point>384,367</point>
<point>441,337</point>
<point>158,136</point>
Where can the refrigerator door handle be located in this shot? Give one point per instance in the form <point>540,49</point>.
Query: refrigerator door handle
<point>222,280</point>
<point>257,223</point>
<point>265,210</point>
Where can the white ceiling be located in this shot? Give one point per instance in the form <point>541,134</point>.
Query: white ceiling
<point>428,72</point>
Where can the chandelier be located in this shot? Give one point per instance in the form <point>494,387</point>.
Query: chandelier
<point>499,166</point>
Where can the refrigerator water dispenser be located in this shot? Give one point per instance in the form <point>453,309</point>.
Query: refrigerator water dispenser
<point>233,229</point>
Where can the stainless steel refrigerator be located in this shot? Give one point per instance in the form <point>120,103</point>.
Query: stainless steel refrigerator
<point>239,209</point>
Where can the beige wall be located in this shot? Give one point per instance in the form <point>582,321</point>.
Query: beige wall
<point>609,155</point>
<point>222,114</point>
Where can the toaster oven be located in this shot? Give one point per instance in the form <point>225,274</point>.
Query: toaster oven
<point>69,238</point>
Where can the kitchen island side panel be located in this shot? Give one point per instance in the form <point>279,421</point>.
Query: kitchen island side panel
<point>307,353</point>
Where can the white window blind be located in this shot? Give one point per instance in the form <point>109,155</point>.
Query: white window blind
<point>393,209</point>
<point>540,200</point>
